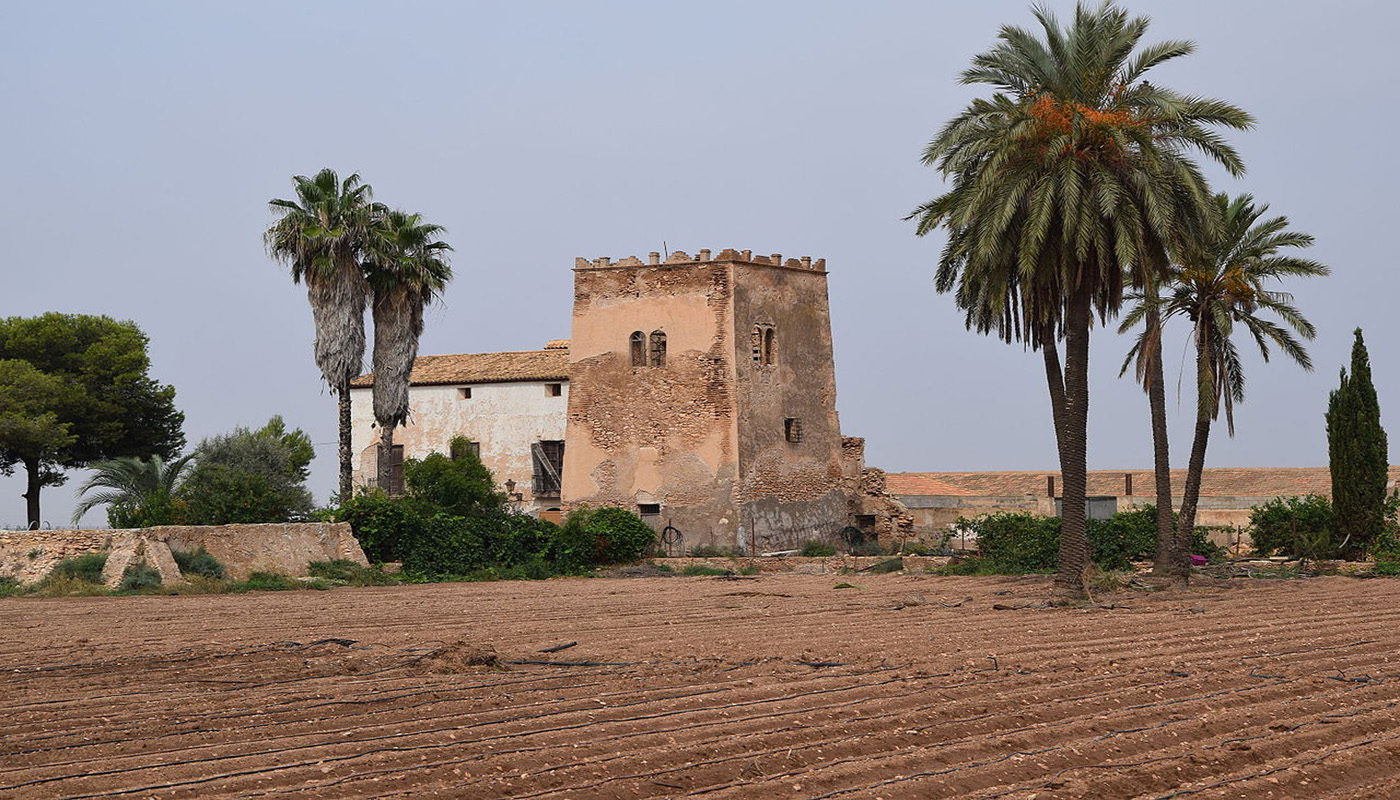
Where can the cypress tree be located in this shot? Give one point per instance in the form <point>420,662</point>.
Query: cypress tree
<point>1358,456</point>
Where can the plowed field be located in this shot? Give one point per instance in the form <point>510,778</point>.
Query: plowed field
<point>778,686</point>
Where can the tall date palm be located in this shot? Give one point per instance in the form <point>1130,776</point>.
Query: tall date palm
<point>407,270</point>
<point>323,236</point>
<point>1072,180</point>
<point>1222,285</point>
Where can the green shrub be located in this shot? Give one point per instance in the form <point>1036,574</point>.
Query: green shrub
<point>140,576</point>
<point>710,551</point>
<point>1387,568</point>
<point>815,548</point>
<point>513,539</point>
<point>1016,543</point>
<point>159,508</point>
<point>10,587</point>
<point>460,486</point>
<point>197,562</point>
<point>383,525</point>
<point>217,494</point>
<point>870,547</point>
<point>55,585</point>
<point>87,567</point>
<point>1297,527</point>
<point>266,582</point>
<point>887,566</point>
<point>348,572</point>
<point>703,570</point>
<point>443,546</point>
<point>592,537</point>
<point>1123,538</point>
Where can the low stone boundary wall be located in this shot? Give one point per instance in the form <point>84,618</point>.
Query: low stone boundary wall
<point>803,565</point>
<point>287,548</point>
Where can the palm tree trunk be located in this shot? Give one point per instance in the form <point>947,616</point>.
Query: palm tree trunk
<point>347,465</point>
<point>1072,577</point>
<point>385,479</point>
<point>1191,493</point>
<point>1161,463</point>
<point>31,495</point>
<point>1055,378</point>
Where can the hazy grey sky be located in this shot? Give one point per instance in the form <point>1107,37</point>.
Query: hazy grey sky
<point>142,141</point>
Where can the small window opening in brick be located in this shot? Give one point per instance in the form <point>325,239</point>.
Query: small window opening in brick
<point>866,522</point>
<point>465,392</point>
<point>792,429</point>
<point>658,349</point>
<point>554,389</point>
<point>639,349</point>
<point>769,346</point>
<point>649,509</point>
<point>757,344</point>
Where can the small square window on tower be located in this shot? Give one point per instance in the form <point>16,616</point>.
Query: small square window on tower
<point>554,390</point>
<point>648,509</point>
<point>792,429</point>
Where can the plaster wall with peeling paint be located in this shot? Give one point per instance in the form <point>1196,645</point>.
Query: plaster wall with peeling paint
<point>505,419</point>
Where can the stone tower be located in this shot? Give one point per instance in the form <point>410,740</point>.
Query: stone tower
<point>703,395</point>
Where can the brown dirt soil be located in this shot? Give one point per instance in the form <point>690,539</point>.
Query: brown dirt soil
<point>780,686</point>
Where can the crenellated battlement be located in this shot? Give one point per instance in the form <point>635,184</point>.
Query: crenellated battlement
<point>680,258</point>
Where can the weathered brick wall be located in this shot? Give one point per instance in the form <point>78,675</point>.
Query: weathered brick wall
<point>275,547</point>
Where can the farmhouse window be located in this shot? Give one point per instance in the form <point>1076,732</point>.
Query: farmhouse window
<point>554,389</point>
<point>396,470</point>
<point>549,468</point>
<point>658,349</point>
<point>639,349</point>
<point>465,392</point>
<point>792,429</point>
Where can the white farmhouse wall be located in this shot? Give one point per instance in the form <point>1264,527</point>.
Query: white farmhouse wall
<point>505,418</point>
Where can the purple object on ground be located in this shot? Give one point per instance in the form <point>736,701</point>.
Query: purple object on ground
<point>1198,561</point>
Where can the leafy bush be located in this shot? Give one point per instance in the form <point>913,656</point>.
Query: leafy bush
<point>197,562</point>
<point>704,570</point>
<point>443,546</point>
<point>87,567</point>
<point>1021,542</point>
<point>220,495</point>
<point>709,551</point>
<point>815,548</point>
<point>1123,538</point>
<point>348,572</point>
<point>1297,527</point>
<point>383,525</point>
<point>157,509</point>
<point>870,547</point>
<point>10,587</point>
<point>1387,568</point>
<point>887,566</point>
<point>1016,543</point>
<point>140,576</point>
<point>460,486</point>
<point>591,537</point>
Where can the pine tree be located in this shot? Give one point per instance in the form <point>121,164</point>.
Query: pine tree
<point>1357,455</point>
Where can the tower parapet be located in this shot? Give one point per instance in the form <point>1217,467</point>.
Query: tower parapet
<point>682,258</point>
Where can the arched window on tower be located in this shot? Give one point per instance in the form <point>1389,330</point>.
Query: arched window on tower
<point>658,349</point>
<point>770,347</point>
<point>639,349</point>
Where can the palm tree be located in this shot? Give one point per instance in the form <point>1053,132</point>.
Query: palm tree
<point>322,236</point>
<point>1070,180</point>
<point>139,489</point>
<point>1146,356</point>
<point>1221,285</point>
<point>407,270</point>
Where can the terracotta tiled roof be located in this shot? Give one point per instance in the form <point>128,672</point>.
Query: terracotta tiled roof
<point>557,344</point>
<point>1215,482</point>
<point>527,365</point>
<point>915,483</point>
